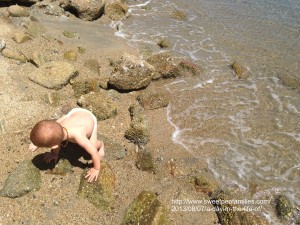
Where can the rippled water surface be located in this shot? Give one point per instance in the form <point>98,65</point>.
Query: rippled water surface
<point>247,130</point>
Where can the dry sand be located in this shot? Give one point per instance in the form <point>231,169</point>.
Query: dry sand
<point>56,202</point>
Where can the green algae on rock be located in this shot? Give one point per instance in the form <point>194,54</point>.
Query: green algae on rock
<point>146,209</point>
<point>53,75</point>
<point>139,132</point>
<point>145,161</point>
<point>100,192</point>
<point>24,179</point>
<point>283,206</point>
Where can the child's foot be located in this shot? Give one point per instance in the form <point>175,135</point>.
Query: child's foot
<point>101,153</point>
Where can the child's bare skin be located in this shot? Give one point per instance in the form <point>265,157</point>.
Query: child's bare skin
<point>78,126</point>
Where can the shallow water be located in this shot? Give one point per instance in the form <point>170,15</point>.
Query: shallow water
<point>247,130</point>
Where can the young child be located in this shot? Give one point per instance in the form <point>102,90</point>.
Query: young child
<point>78,126</point>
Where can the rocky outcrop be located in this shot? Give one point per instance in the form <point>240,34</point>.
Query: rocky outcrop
<point>130,73</point>
<point>153,100</point>
<point>139,132</point>
<point>53,75</point>
<point>100,192</point>
<point>86,10</point>
<point>283,206</point>
<point>146,209</point>
<point>24,179</point>
<point>99,104</point>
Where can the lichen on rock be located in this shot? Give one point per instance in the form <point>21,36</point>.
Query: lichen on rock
<point>146,209</point>
<point>24,179</point>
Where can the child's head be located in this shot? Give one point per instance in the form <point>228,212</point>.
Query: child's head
<point>47,133</point>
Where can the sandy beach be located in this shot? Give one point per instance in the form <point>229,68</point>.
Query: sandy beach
<point>24,102</point>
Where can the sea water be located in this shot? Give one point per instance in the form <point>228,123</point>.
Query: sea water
<point>248,130</point>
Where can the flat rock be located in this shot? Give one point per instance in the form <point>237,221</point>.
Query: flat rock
<point>24,179</point>
<point>53,75</point>
<point>100,192</point>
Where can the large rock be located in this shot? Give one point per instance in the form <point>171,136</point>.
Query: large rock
<point>130,73</point>
<point>153,100</point>
<point>100,192</point>
<point>99,104</point>
<point>17,11</point>
<point>53,75</point>
<point>86,10</point>
<point>146,209</point>
<point>24,179</point>
<point>82,86</point>
<point>139,132</point>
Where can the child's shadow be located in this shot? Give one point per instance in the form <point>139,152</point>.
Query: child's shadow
<point>72,152</point>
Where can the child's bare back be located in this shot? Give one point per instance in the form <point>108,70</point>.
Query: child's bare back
<point>78,126</point>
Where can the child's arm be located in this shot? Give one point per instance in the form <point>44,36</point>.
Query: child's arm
<point>87,145</point>
<point>53,155</point>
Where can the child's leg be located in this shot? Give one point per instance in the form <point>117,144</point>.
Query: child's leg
<point>97,144</point>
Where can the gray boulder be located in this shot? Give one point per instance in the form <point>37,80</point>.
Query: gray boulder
<point>99,104</point>
<point>24,179</point>
<point>53,75</point>
<point>130,73</point>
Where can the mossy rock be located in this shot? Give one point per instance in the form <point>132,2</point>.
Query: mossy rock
<point>240,70</point>
<point>70,34</point>
<point>70,55</point>
<point>145,161</point>
<point>163,43</point>
<point>24,179</point>
<point>85,86</point>
<point>99,104</point>
<point>139,132</point>
<point>153,100</point>
<point>61,168</point>
<point>178,14</point>
<point>100,192</point>
<point>283,206</point>
<point>290,81</point>
<point>146,209</point>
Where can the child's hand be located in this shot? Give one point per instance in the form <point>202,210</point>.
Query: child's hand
<point>32,147</point>
<point>50,156</point>
<point>92,175</point>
